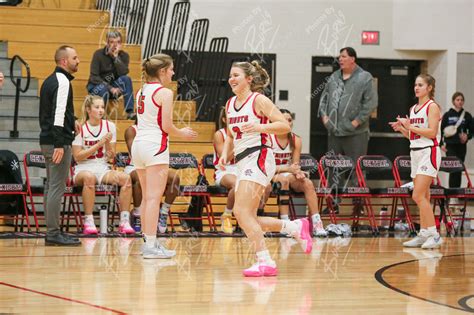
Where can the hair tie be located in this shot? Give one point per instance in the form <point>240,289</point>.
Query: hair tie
<point>147,59</point>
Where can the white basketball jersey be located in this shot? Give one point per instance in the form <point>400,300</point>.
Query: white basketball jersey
<point>150,117</point>
<point>223,132</point>
<point>419,119</point>
<point>90,135</point>
<point>282,154</point>
<point>244,115</point>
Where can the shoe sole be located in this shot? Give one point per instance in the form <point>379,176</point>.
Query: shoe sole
<point>263,272</point>
<point>156,257</point>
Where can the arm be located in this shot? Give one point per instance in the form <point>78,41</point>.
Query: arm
<point>369,102</point>
<point>129,137</point>
<point>110,146</point>
<point>81,154</point>
<point>434,116</point>
<point>227,148</point>
<point>398,127</point>
<point>265,107</point>
<point>121,63</point>
<point>95,77</point>
<point>165,98</point>
<point>218,143</point>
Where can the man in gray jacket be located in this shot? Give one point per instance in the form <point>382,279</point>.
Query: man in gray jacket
<point>345,106</point>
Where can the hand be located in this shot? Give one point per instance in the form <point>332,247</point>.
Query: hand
<point>222,162</point>
<point>300,175</point>
<point>405,122</point>
<point>109,154</point>
<point>463,137</point>
<point>325,120</point>
<point>294,168</point>
<point>58,155</point>
<point>396,125</point>
<point>113,51</point>
<point>443,148</point>
<point>77,127</point>
<point>2,79</point>
<point>355,123</point>
<point>106,139</point>
<point>251,127</point>
<point>115,91</point>
<point>188,134</point>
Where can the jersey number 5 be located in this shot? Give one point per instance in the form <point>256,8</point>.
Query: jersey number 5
<point>141,105</point>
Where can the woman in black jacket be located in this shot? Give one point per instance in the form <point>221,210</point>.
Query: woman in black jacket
<point>456,144</point>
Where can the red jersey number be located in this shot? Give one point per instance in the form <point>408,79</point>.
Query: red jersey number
<point>141,105</point>
<point>238,133</point>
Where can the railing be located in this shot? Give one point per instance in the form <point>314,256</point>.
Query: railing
<point>17,83</point>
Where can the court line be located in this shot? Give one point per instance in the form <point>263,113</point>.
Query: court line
<point>379,277</point>
<point>61,298</point>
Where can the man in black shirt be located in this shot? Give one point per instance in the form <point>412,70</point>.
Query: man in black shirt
<point>57,124</point>
<point>109,69</point>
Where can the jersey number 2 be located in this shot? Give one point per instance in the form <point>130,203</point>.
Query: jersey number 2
<point>238,133</point>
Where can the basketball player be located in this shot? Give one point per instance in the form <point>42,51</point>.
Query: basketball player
<point>251,117</point>
<point>287,151</point>
<point>150,149</point>
<point>422,128</point>
<point>172,185</point>
<point>92,149</point>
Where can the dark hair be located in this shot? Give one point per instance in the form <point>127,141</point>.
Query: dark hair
<point>222,122</point>
<point>291,140</point>
<point>430,81</point>
<point>61,52</point>
<point>350,51</point>
<point>260,76</point>
<point>456,94</point>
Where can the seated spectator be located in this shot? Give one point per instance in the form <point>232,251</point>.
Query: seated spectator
<point>109,69</point>
<point>172,185</point>
<point>92,150</point>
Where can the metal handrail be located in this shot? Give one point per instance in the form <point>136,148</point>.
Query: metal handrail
<point>17,83</point>
<point>28,74</point>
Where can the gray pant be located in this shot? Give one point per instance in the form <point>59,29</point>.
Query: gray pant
<point>352,146</point>
<point>55,185</point>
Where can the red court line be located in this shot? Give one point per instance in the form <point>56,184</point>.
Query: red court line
<point>61,298</point>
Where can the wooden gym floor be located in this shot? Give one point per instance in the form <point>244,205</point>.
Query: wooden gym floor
<point>341,276</point>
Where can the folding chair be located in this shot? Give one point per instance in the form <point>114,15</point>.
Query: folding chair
<point>12,191</point>
<point>402,174</point>
<point>335,166</point>
<point>187,161</point>
<point>101,190</point>
<point>378,167</point>
<point>310,166</point>
<point>450,165</point>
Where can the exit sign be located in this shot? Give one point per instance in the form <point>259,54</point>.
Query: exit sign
<point>370,37</point>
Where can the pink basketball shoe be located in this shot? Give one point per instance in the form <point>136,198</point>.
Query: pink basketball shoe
<point>303,236</point>
<point>126,228</point>
<point>89,228</point>
<point>261,269</point>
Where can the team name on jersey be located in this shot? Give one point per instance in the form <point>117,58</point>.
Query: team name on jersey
<point>90,143</point>
<point>238,119</point>
<point>417,120</point>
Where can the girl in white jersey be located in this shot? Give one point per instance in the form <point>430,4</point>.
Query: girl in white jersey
<point>251,117</point>
<point>150,148</point>
<point>422,128</point>
<point>287,151</point>
<point>92,149</point>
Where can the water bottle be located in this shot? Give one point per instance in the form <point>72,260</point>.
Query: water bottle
<point>137,225</point>
<point>384,220</point>
<point>103,219</point>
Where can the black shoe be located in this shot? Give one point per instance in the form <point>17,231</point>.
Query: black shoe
<point>61,240</point>
<point>327,211</point>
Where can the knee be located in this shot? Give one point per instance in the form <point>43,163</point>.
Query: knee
<point>418,197</point>
<point>89,182</point>
<point>125,181</point>
<point>308,185</point>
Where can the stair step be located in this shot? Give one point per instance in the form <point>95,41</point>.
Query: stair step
<point>42,50</point>
<point>42,68</point>
<point>52,33</point>
<point>10,90</point>
<point>29,124</point>
<point>5,67</point>
<point>19,146</point>
<point>63,4</point>
<point>28,106</point>
<point>22,15</point>
<point>3,50</point>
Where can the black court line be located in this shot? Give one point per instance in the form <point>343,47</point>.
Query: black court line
<point>462,302</point>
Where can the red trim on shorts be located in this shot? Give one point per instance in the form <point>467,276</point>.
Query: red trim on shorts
<point>264,137</point>
<point>164,135</point>
<point>433,157</point>
<point>262,156</point>
<point>152,99</point>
